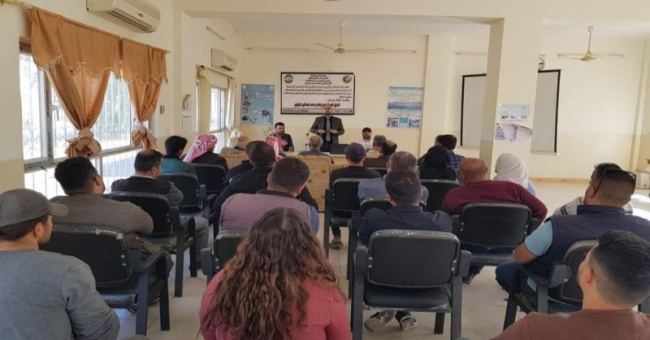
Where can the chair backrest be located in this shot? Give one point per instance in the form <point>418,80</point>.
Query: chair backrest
<point>438,189</point>
<point>372,203</point>
<point>381,171</point>
<point>211,175</point>
<point>344,196</point>
<point>225,245</point>
<point>188,184</point>
<point>412,258</point>
<point>570,290</point>
<point>494,224</point>
<point>102,248</point>
<point>156,205</point>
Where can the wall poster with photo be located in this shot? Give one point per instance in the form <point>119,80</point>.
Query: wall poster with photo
<point>257,103</point>
<point>404,108</point>
<point>306,92</point>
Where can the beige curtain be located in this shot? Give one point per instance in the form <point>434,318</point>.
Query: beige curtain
<point>79,72</point>
<point>144,69</point>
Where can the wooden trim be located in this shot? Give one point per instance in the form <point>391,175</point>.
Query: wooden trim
<point>560,180</point>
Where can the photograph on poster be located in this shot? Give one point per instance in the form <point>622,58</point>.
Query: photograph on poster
<point>404,109</point>
<point>257,102</point>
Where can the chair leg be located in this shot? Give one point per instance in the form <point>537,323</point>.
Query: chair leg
<point>542,300</point>
<point>511,311</point>
<point>326,239</point>
<point>439,327</point>
<point>142,308</point>
<point>180,264</point>
<point>164,308</point>
<point>193,265</point>
<point>456,308</point>
<point>357,308</point>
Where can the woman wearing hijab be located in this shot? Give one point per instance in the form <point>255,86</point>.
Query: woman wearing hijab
<point>512,168</point>
<point>201,152</point>
<point>435,164</point>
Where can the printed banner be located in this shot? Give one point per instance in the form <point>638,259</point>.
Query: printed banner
<point>257,102</point>
<point>306,93</point>
<point>404,107</point>
<point>508,132</point>
<point>518,113</point>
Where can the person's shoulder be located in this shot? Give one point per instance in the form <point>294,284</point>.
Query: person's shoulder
<point>376,213</point>
<point>56,261</point>
<point>318,290</point>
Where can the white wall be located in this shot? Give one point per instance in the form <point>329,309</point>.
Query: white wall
<point>374,73</point>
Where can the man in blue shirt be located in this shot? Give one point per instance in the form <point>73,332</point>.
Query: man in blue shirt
<point>602,210</point>
<point>376,187</point>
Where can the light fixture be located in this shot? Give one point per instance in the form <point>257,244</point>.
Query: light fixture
<point>211,30</point>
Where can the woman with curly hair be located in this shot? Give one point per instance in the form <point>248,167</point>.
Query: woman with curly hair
<point>279,286</point>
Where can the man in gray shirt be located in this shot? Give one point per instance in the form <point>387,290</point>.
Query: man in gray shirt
<point>315,143</point>
<point>45,295</point>
<point>376,187</point>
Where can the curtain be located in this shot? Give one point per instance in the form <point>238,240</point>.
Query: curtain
<point>144,69</point>
<point>78,72</point>
<point>209,79</point>
<point>230,109</point>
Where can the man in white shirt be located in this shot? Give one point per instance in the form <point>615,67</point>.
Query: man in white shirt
<point>366,140</point>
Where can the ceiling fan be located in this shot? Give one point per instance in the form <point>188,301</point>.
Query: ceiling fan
<point>589,56</point>
<point>340,49</point>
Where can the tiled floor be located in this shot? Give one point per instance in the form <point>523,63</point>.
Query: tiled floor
<point>483,301</point>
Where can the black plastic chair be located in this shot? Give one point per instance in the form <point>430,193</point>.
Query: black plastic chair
<point>381,171</point>
<point>502,226</point>
<point>168,231</point>
<point>410,270</point>
<point>123,279</point>
<point>438,189</point>
<point>212,176</point>
<point>340,202</point>
<point>561,284</point>
<point>225,248</point>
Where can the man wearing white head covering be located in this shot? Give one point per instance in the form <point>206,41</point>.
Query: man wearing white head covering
<point>201,152</point>
<point>512,168</point>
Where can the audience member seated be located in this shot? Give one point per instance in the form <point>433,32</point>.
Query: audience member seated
<point>245,165</point>
<point>512,168</point>
<point>387,149</point>
<point>354,154</point>
<point>435,164</point>
<point>262,157</point>
<point>601,211</point>
<point>479,188</point>
<point>377,142</point>
<point>571,208</point>
<point>315,143</point>
<point>45,295</point>
<point>614,279</point>
<point>172,162</point>
<point>285,182</point>
<point>366,138</point>
<point>376,187</point>
<point>202,152</point>
<point>404,192</point>
<point>147,168</point>
<point>296,295</point>
<point>240,146</point>
<point>449,142</point>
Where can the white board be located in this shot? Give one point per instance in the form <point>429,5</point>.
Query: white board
<point>545,114</point>
<point>306,93</point>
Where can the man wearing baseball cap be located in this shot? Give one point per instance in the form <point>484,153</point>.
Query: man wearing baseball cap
<point>44,295</point>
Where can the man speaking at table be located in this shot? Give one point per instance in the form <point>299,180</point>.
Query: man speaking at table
<point>328,128</point>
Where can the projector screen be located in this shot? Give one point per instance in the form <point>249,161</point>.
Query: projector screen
<point>545,116</point>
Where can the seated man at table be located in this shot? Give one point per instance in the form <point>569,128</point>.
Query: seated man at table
<point>614,278</point>
<point>387,149</point>
<point>315,143</point>
<point>404,191</point>
<point>376,187</point>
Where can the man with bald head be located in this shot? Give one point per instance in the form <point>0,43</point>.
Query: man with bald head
<point>328,128</point>
<point>479,188</point>
<point>315,143</point>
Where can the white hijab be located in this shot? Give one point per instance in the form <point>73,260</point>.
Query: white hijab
<point>511,168</point>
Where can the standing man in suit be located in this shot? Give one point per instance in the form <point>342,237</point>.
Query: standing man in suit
<point>328,128</point>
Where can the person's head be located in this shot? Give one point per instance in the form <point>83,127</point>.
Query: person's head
<point>448,141</point>
<point>378,141</point>
<point>612,188</point>
<point>388,148</point>
<point>355,153</point>
<point>279,128</point>
<point>616,272</point>
<point>26,219</point>
<point>148,163</point>
<point>403,187</point>
<point>290,175</point>
<point>437,157</point>
<point>510,165</point>
<point>242,142</point>
<point>600,168</point>
<point>472,170</point>
<point>77,175</point>
<point>366,133</point>
<point>262,155</point>
<point>261,286</point>
<point>328,109</point>
<point>175,145</point>
<point>402,161</point>
<point>315,142</point>
<point>202,145</point>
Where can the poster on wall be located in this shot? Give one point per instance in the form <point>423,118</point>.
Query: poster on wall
<point>257,102</point>
<point>516,113</point>
<point>404,108</point>
<point>306,93</point>
<point>512,133</point>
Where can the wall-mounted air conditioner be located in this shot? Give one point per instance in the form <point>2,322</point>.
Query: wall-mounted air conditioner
<point>137,13</point>
<point>223,60</point>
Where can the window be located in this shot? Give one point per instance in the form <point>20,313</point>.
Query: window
<point>46,129</point>
<point>218,115</point>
